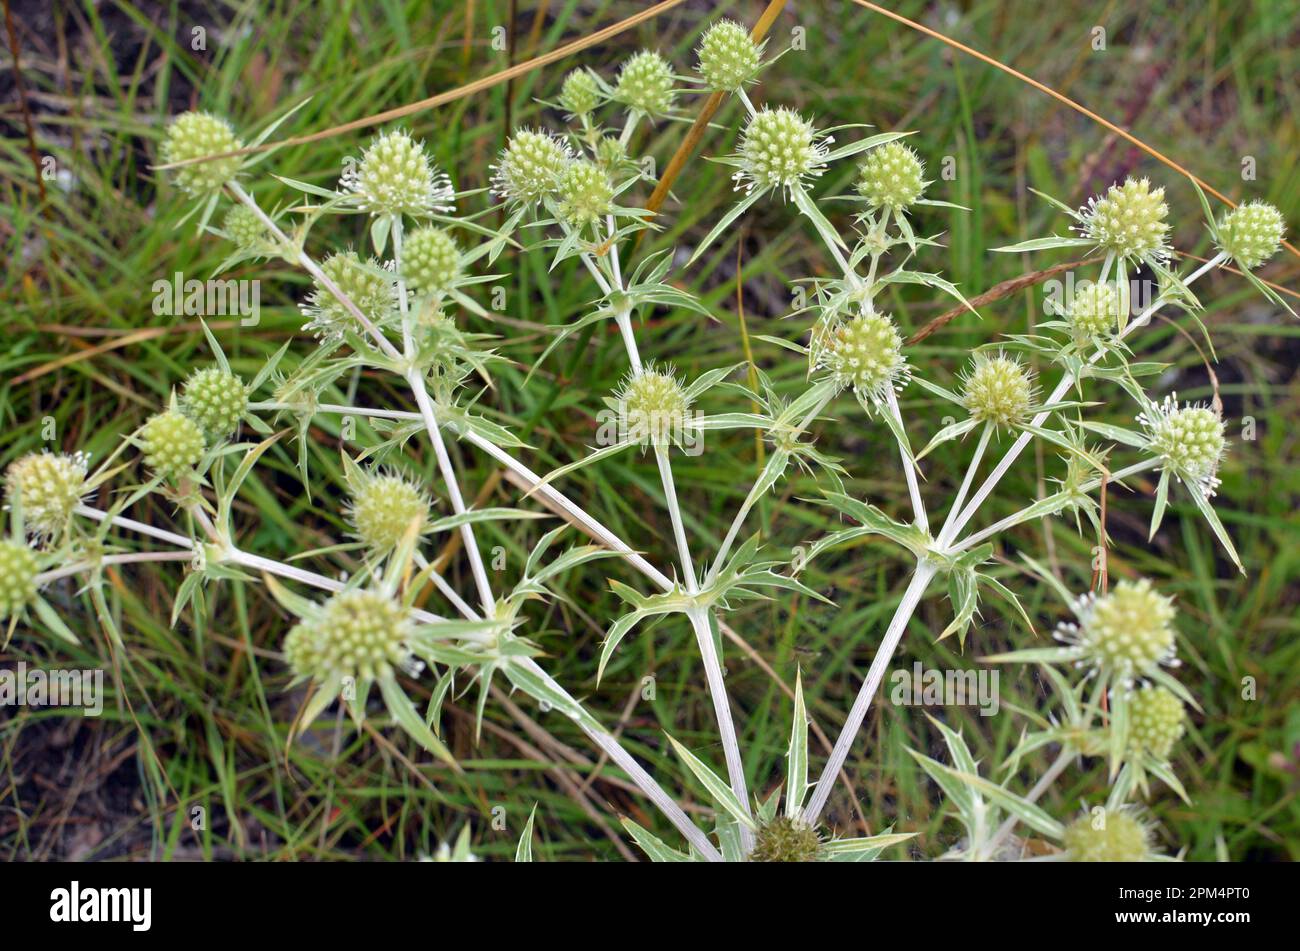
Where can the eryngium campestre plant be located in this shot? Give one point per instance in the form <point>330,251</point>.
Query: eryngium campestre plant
<point>402,347</point>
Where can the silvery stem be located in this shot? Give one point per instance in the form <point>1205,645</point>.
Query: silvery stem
<point>909,466</point>
<point>897,625</point>
<point>124,559</point>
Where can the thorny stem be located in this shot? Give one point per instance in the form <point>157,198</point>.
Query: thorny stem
<point>416,380</point>
<point>598,735</point>
<point>912,596</point>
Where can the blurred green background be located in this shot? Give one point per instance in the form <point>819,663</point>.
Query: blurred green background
<point>1212,85</point>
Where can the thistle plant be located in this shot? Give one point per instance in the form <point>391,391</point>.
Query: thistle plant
<point>399,301</point>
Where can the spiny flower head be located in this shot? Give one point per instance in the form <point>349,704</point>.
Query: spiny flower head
<point>366,286</point>
<point>864,352</point>
<point>580,93</point>
<point>357,634</point>
<point>645,82</point>
<point>653,404</point>
<point>530,166</point>
<point>17,577</point>
<point>1156,721</point>
<point>611,152</point>
<point>47,487</point>
<point>892,176</point>
<point>1188,439</point>
<point>173,444</point>
<point>196,134</point>
<point>779,147</point>
<point>998,390</point>
<point>1251,233</point>
<point>585,193</point>
<point>1116,836</point>
<point>728,57</point>
<point>216,399</point>
<point>1094,310</point>
<point>1129,220</point>
<point>430,260</point>
<point>383,508</point>
<point>394,177</point>
<point>244,228</point>
<point>1128,631</point>
<point>786,840</point>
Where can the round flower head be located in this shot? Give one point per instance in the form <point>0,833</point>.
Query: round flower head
<point>653,405</point>
<point>645,82</point>
<point>173,444</point>
<point>1189,441</point>
<point>585,193</point>
<point>383,508</point>
<point>430,260</point>
<point>196,134</point>
<point>244,228</point>
<point>1156,721</point>
<point>610,152</point>
<point>864,352</point>
<point>580,94</point>
<point>367,287</point>
<point>779,147</point>
<point>1094,311</point>
<point>1129,220</point>
<point>47,487</point>
<point>394,177</point>
<point>216,399</point>
<point>998,390</point>
<point>786,840</point>
<point>1252,233</point>
<point>728,57</point>
<point>1128,631</point>
<point>530,167</point>
<point>17,577</point>
<point>892,176</point>
<point>1116,836</point>
<point>357,634</point>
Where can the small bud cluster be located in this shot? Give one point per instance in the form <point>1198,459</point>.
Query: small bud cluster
<point>430,260</point>
<point>244,228</point>
<point>216,399</point>
<point>194,135</point>
<point>1251,234</point>
<point>1115,837</point>
<point>46,487</point>
<point>866,353</point>
<point>892,176</point>
<point>394,177</point>
<point>645,82</point>
<point>1128,631</point>
<point>530,167</point>
<point>1156,721</point>
<point>1095,310</point>
<point>728,57</point>
<point>383,509</point>
<point>654,405</point>
<point>580,94</point>
<point>998,390</point>
<point>358,634</point>
<point>585,194</point>
<point>17,577</point>
<point>1129,221</point>
<point>779,147</point>
<point>173,444</point>
<point>1188,439</point>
